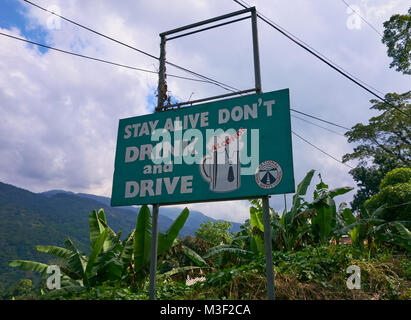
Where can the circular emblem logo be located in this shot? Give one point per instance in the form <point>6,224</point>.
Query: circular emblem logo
<point>268,174</point>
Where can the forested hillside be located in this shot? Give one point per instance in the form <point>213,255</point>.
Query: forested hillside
<point>29,219</point>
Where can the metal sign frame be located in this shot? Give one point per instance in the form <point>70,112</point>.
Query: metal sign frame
<point>162,96</point>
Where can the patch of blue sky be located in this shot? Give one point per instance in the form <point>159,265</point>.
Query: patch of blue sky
<point>13,14</point>
<point>152,100</point>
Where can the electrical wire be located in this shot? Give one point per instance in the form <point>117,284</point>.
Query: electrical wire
<point>215,82</point>
<point>340,134</point>
<point>321,150</point>
<point>319,119</point>
<point>144,70</point>
<point>218,83</point>
<point>171,75</point>
<point>149,71</point>
<point>316,51</point>
<point>97,59</point>
<point>305,47</point>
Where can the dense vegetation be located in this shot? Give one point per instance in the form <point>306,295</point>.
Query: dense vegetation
<point>310,259</point>
<point>28,219</point>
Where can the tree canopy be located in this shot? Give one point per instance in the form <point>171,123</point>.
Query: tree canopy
<point>395,194</point>
<point>387,135</point>
<point>398,41</point>
<point>214,233</point>
<point>382,145</point>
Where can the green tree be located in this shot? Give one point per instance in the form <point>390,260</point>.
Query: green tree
<point>22,290</point>
<point>382,145</point>
<point>397,38</point>
<point>214,232</point>
<point>395,193</point>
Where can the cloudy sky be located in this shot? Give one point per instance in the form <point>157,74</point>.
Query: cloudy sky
<point>59,114</point>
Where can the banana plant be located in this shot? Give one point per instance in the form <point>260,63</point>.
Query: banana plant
<point>374,227</point>
<point>257,227</point>
<point>110,258</point>
<point>324,218</point>
<point>77,266</point>
<point>292,230</point>
<point>142,238</point>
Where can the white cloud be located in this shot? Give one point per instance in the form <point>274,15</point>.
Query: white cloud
<point>60,113</point>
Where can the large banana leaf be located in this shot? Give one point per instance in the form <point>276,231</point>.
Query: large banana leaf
<point>403,236</point>
<point>77,262</point>
<point>102,216</point>
<point>256,218</point>
<point>301,191</point>
<point>30,266</point>
<point>339,191</point>
<point>142,238</point>
<point>348,216</point>
<point>257,228</point>
<point>325,220</point>
<point>298,200</point>
<point>108,267</point>
<point>227,248</point>
<point>95,252</point>
<point>62,253</point>
<point>165,241</point>
<point>112,236</point>
<point>194,256</point>
<point>179,270</point>
<point>95,226</point>
<point>127,250</point>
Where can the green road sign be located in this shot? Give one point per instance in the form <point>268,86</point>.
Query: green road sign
<point>229,149</point>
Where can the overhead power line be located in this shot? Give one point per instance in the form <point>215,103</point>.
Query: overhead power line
<point>340,134</point>
<point>171,75</point>
<point>231,88</point>
<point>311,51</point>
<point>319,119</point>
<point>96,59</point>
<point>145,70</point>
<point>321,150</point>
<point>150,71</point>
<point>215,82</point>
<point>362,18</point>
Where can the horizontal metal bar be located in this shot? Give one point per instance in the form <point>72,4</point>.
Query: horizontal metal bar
<point>206,99</point>
<point>208,28</point>
<point>197,24</point>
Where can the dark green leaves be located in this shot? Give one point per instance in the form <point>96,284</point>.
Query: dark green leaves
<point>142,238</point>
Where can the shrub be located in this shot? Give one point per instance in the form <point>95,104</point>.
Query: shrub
<point>394,194</point>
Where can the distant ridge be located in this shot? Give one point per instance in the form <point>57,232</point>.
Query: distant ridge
<point>48,218</point>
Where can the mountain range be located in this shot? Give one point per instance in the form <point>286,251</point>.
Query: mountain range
<point>28,219</point>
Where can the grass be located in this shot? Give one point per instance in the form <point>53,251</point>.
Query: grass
<point>313,273</point>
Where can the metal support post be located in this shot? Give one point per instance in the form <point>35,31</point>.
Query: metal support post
<point>268,250</point>
<point>256,52</point>
<point>153,257</point>
<point>266,209</point>
<point>161,97</point>
<point>162,87</point>
<point>285,202</point>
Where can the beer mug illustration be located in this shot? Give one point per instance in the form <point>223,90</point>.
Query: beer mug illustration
<point>221,168</point>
